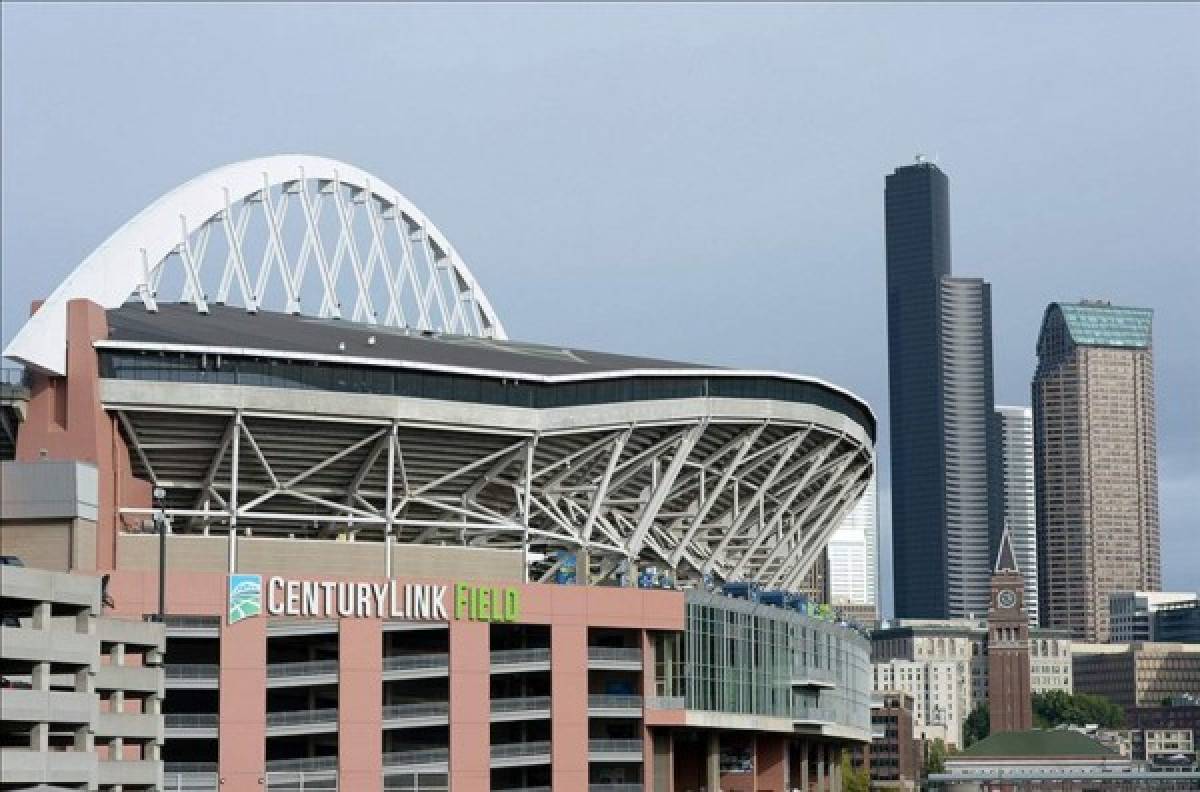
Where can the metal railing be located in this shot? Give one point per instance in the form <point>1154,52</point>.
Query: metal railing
<point>191,720</point>
<point>521,704</point>
<point>415,661</point>
<point>522,749</point>
<point>664,702</point>
<point>302,717</point>
<point>620,654</point>
<point>421,756</point>
<point>190,767</point>
<point>814,714</point>
<point>606,701</point>
<point>192,670</point>
<point>302,668</point>
<point>599,746</point>
<point>517,656</point>
<point>416,709</point>
<point>186,621</point>
<point>203,781</point>
<point>13,376</point>
<point>308,764</point>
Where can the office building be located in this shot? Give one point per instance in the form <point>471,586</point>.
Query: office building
<point>853,557</point>
<point>1095,457</point>
<point>1178,622</point>
<point>940,691</point>
<point>81,704</point>
<point>1139,674</point>
<point>944,507</point>
<point>1133,614</point>
<point>403,551</point>
<point>1014,433</point>
<point>896,752</point>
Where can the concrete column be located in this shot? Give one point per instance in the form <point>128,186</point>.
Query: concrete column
<point>821,787</point>
<point>568,702</point>
<point>470,706</point>
<point>39,737</point>
<point>804,748</point>
<point>713,776</point>
<point>242,693</point>
<point>835,759</point>
<point>360,704</point>
<point>39,678</point>
<point>41,616</point>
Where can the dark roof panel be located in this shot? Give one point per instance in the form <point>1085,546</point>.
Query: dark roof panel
<point>225,326</point>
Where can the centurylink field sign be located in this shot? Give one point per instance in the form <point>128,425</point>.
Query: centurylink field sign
<point>329,599</point>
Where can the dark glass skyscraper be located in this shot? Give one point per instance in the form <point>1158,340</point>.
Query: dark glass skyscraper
<point>940,395</point>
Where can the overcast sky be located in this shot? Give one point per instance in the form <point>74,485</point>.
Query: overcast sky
<point>697,182</point>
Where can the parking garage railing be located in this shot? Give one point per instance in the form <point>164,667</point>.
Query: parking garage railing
<point>521,704</point>
<point>414,661</point>
<point>522,749</point>
<point>302,717</point>
<point>422,756</point>
<point>416,709</point>
<point>617,654</point>
<point>607,701</point>
<point>501,657</point>
<point>604,746</point>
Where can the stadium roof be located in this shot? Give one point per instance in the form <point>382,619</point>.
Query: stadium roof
<point>268,333</point>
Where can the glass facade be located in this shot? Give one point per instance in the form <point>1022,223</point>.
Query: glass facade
<point>738,657</point>
<point>917,209</point>
<point>511,392</point>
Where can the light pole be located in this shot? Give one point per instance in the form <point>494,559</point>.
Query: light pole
<point>160,520</point>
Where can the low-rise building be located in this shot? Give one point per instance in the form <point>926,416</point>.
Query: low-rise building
<point>1168,747</point>
<point>1132,612</point>
<point>1137,674</point>
<point>1178,622</point>
<point>82,695</point>
<point>894,756</point>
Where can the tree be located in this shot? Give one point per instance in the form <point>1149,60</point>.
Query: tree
<point>854,780</point>
<point>978,725</point>
<point>1057,707</point>
<point>935,757</point>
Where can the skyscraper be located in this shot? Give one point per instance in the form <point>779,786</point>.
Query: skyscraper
<point>940,397</point>
<point>1096,462</point>
<point>1015,434</point>
<point>853,554</point>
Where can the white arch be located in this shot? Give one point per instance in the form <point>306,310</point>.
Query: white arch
<point>129,261</point>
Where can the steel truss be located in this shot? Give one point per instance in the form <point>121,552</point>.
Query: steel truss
<point>299,234</point>
<point>734,499</point>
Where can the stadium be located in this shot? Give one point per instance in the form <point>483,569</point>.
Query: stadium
<point>403,551</point>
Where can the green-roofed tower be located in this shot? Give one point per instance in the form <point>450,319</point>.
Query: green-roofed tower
<point>1096,463</point>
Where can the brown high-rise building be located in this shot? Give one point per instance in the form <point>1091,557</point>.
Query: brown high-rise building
<point>1096,462</point>
<point>1010,697</point>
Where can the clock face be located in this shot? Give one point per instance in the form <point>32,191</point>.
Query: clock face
<point>1007,598</point>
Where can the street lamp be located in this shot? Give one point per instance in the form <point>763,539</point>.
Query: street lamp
<point>160,521</point>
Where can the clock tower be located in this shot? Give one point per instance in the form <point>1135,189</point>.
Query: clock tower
<point>1009,694</point>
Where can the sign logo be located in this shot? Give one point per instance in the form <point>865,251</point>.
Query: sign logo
<point>245,597</point>
<point>392,599</point>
